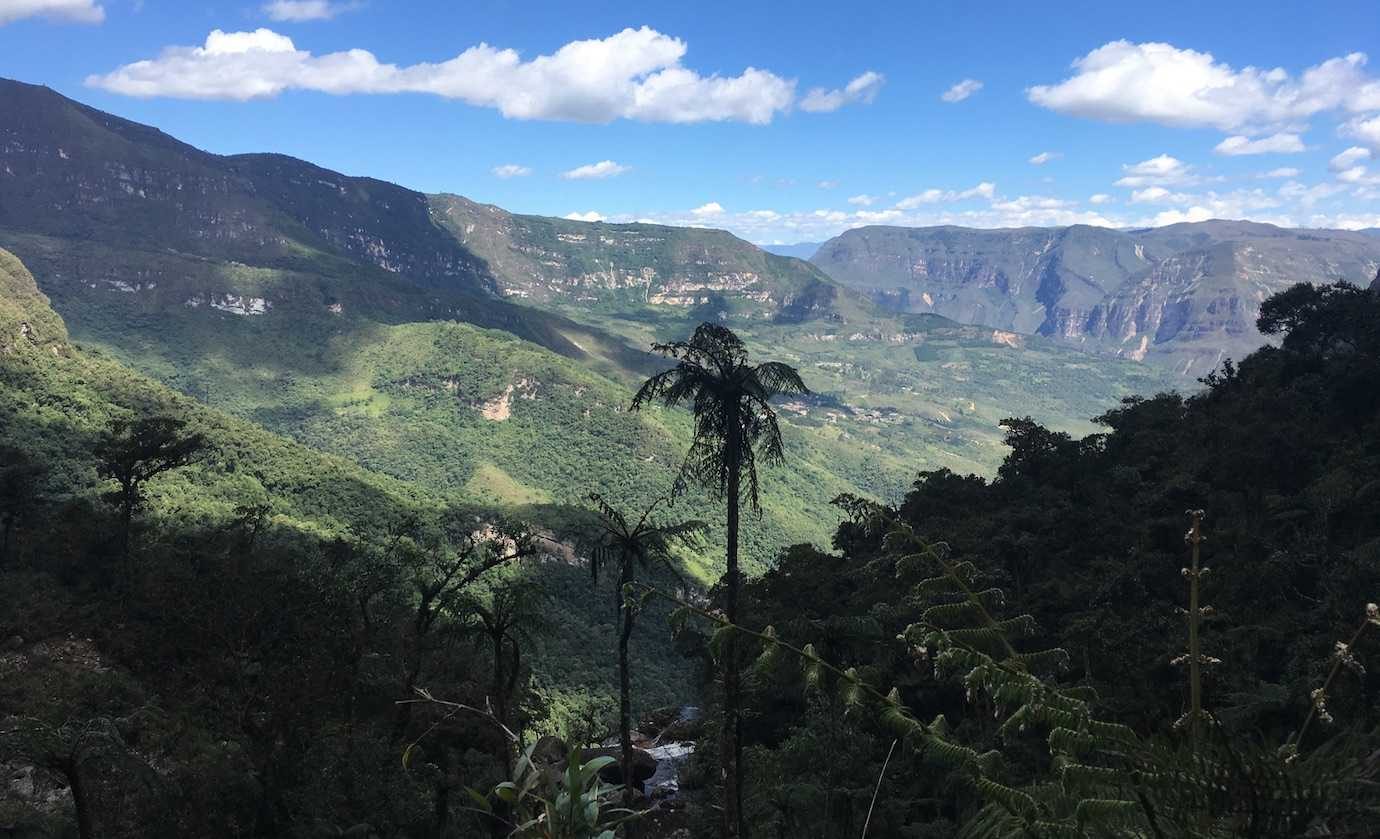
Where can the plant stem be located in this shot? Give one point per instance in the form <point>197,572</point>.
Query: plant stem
<point>880,775</point>
<point>1195,669</point>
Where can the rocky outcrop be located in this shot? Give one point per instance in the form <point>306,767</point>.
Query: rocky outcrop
<point>541,258</point>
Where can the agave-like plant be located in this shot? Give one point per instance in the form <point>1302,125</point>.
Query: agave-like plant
<point>544,802</point>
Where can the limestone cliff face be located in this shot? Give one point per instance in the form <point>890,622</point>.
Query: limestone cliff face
<point>1185,295</point>
<point>593,263</point>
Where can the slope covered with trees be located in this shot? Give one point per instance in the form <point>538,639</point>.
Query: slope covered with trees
<point>1086,538</point>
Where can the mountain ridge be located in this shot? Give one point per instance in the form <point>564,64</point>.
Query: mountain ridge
<point>1184,295</point>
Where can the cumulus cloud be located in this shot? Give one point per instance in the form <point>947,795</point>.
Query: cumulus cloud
<point>74,11</point>
<point>1365,130</point>
<point>300,11</point>
<point>1157,171</point>
<point>1348,158</point>
<point>861,90</point>
<point>586,216</point>
<point>1281,143</point>
<point>961,91</point>
<point>1191,214</point>
<point>635,74</point>
<point>1158,195</point>
<point>1044,157</point>
<point>511,170</point>
<point>937,196</point>
<point>1348,166</point>
<point>1281,172</point>
<point>595,171</point>
<point>862,200</point>
<point>1100,198</point>
<point>1156,82</point>
<point>713,208</point>
<point>1307,196</point>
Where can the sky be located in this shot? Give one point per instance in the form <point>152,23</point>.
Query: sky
<point>782,122</point>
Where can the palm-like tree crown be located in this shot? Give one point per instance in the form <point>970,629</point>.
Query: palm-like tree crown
<point>731,401</point>
<point>644,543</point>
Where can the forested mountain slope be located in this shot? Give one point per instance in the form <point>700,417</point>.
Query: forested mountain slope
<point>354,316</point>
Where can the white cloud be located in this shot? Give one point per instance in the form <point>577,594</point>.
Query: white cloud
<point>828,184</point>
<point>862,200</point>
<point>713,208</point>
<point>861,90</point>
<point>1346,221</point>
<point>1044,157</point>
<point>1158,195</point>
<point>1307,196</point>
<point>635,74</point>
<point>299,11</point>
<point>511,170</point>
<point>595,171</point>
<point>1348,158</point>
<point>1100,198</point>
<point>1180,216</point>
<point>1365,130</point>
<point>1125,82</point>
<point>1282,143</point>
<point>961,91</point>
<point>1162,171</point>
<point>587,216</point>
<point>945,196</point>
<point>1349,165</point>
<point>1281,172</point>
<point>74,11</point>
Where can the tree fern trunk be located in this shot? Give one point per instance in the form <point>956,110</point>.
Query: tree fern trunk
<point>625,697</point>
<point>731,750</point>
<point>80,802</point>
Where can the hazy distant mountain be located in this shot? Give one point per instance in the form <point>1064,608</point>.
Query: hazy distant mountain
<point>800,250</point>
<point>1186,294</point>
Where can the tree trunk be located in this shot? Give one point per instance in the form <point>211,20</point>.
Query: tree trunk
<point>730,747</point>
<point>128,495</point>
<point>625,695</point>
<point>72,772</point>
<point>441,803</point>
<point>500,701</point>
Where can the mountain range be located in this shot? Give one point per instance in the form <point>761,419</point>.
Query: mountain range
<point>490,354</point>
<point>481,353</point>
<point>1185,296</point>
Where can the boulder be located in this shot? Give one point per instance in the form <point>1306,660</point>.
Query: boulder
<point>643,765</point>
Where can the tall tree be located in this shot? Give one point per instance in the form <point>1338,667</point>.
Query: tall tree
<point>629,547</point>
<point>133,453</point>
<point>20,483</point>
<point>734,427</point>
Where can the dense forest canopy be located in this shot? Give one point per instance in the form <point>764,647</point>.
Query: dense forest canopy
<point>208,630</point>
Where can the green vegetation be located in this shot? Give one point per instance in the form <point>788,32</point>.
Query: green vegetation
<point>735,425</point>
<point>295,467</point>
<point>1077,546</point>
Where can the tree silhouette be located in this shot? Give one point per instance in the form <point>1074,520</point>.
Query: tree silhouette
<point>506,617</point>
<point>20,483</point>
<point>734,426</point>
<point>630,547</point>
<point>133,453</point>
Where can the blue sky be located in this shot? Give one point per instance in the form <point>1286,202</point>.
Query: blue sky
<point>781,122</point>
